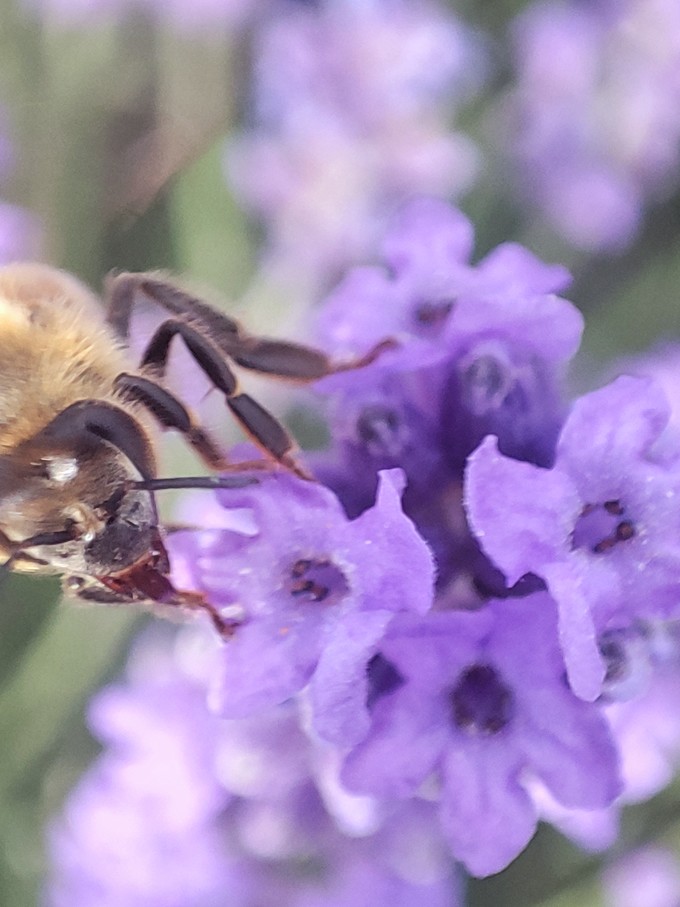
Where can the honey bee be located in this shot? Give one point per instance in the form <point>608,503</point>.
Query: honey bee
<point>79,424</point>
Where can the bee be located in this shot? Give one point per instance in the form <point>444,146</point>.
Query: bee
<point>79,426</point>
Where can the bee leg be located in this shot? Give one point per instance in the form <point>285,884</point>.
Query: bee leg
<point>196,601</point>
<point>120,294</point>
<point>215,340</point>
<point>7,550</point>
<point>171,413</point>
<point>18,551</point>
<point>278,358</point>
<point>93,591</point>
<point>123,290</point>
<point>297,362</point>
<point>264,429</point>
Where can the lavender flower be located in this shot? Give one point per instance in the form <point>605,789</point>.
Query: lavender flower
<point>640,703</point>
<point>497,332</point>
<point>155,774</point>
<point>647,732</point>
<point>349,117</point>
<point>427,252</point>
<point>313,593</point>
<point>478,705</point>
<point>662,363</point>
<point>594,116</point>
<point>482,348</point>
<point>591,829</point>
<point>600,527</point>
<point>377,720</point>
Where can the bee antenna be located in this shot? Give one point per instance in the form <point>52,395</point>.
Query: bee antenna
<point>193,482</point>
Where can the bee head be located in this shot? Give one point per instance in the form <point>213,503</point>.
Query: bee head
<point>76,477</point>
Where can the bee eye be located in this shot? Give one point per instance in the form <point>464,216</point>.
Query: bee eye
<point>61,469</point>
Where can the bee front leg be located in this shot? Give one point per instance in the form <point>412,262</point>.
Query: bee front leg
<point>171,413</point>
<point>91,590</point>
<point>196,601</point>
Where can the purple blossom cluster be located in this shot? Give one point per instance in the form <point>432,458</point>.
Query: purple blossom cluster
<point>350,113</point>
<point>468,624</point>
<point>594,114</point>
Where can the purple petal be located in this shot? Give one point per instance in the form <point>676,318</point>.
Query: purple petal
<point>339,688</point>
<point>428,237</point>
<point>578,640</point>
<point>547,325</point>
<point>615,424</point>
<point>512,269</point>
<point>397,567</point>
<point>406,742</point>
<point>576,758</point>
<point>366,307</point>
<point>430,652</point>
<point>522,515</point>
<point>265,664</point>
<point>487,817</point>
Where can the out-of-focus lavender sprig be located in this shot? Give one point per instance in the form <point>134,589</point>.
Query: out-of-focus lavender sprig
<point>184,809</point>
<point>351,111</point>
<point>19,229</point>
<point>594,116</point>
<point>648,877</point>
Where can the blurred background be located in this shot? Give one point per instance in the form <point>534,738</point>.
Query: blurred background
<point>259,147</point>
